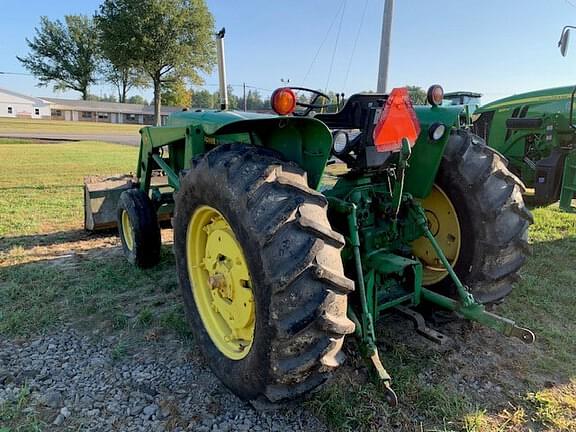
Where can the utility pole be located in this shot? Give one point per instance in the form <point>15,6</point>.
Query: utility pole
<point>385,46</point>
<point>244,89</point>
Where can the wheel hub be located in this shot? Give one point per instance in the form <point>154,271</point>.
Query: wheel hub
<point>127,230</point>
<point>444,225</point>
<point>221,282</point>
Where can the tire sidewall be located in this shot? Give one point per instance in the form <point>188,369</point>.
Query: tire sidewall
<point>454,188</point>
<point>247,376</point>
<point>145,229</point>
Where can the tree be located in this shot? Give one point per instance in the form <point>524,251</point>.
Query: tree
<point>123,77</point>
<point>137,99</point>
<point>233,100</point>
<point>166,39</point>
<point>175,93</point>
<point>254,100</point>
<point>65,54</point>
<point>202,99</point>
<point>417,95</point>
<point>105,98</point>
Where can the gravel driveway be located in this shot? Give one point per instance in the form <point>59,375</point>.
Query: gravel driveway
<point>95,382</point>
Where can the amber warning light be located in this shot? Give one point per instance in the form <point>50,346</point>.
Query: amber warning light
<point>283,101</point>
<point>397,121</point>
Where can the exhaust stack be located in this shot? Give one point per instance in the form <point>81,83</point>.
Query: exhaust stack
<point>222,69</point>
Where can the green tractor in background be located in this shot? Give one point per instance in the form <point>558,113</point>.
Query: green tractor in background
<point>278,261</point>
<point>535,131</point>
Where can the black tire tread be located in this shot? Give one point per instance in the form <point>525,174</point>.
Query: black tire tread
<point>501,220</point>
<point>307,315</point>
<point>146,230</point>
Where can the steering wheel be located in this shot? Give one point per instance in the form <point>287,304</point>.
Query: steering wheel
<point>308,107</point>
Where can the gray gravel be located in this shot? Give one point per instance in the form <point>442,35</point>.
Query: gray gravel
<point>97,383</point>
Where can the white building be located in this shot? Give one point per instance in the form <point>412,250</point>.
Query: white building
<point>13,104</point>
<point>18,105</point>
<point>105,112</point>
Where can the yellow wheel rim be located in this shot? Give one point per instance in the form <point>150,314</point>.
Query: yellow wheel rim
<point>443,223</point>
<point>221,283</point>
<point>127,231</point>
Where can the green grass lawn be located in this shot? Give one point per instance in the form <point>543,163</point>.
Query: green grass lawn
<point>11,125</point>
<point>41,184</point>
<point>51,273</point>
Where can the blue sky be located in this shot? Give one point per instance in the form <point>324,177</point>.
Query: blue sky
<point>495,47</point>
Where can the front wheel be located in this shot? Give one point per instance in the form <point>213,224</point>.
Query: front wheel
<point>477,214</point>
<point>260,273</point>
<point>138,228</point>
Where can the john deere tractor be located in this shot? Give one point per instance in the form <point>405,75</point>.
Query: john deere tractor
<point>278,263</point>
<point>536,132</point>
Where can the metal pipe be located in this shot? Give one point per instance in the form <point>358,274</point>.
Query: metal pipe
<point>172,176</point>
<point>222,69</point>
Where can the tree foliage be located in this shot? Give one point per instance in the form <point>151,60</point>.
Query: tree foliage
<point>166,39</point>
<point>104,98</point>
<point>417,94</point>
<point>64,54</point>
<point>203,99</point>
<point>123,77</point>
<point>175,93</point>
<point>137,99</point>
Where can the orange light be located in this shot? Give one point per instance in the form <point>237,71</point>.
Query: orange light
<point>397,120</point>
<point>435,95</point>
<point>283,101</point>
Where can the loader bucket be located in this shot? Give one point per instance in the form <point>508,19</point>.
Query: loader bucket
<point>101,195</point>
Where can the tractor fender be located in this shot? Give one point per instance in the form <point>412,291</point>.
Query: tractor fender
<point>302,140</point>
<point>427,153</point>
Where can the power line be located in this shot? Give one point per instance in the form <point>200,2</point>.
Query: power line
<point>323,42</point>
<point>15,73</point>
<point>234,85</point>
<point>335,47</point>
<point>354,46</point>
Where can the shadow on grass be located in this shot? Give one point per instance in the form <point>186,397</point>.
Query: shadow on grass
<point>51,239</point>
<point>94,286</point>
<point>482,382</point>
<point>40,187</point>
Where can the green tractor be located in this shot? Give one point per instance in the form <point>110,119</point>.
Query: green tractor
<point>536,132</point>
<point>278,262</point>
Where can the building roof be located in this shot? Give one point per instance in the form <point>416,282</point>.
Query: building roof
<point>35,101</point>
<point>98,106</point>
<point>462,93</point>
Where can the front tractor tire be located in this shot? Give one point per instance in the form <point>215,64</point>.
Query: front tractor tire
<point>477,214</point>
<point>138,228</point>
<point>261,273</point>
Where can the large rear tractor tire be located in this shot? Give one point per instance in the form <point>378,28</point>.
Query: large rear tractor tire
<point>138,228</point>
<point>261,273</point>
<point>477,214</point>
